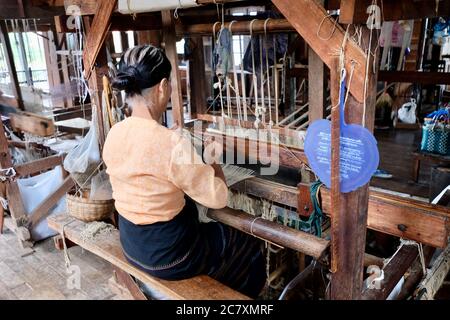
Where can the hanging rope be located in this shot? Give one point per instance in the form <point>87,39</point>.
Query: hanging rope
<point>175,13</point>
<point>332,31</point>
<point>236,83</point>
<point>268,72</point>
<point>261,65</point>
<point>255,79</point>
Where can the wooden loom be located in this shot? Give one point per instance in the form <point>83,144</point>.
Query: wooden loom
<point>19,222</point>
<point>350,213</point>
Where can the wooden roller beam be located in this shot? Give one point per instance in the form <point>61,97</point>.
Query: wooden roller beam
<point>289,157</point>
<point>271,231</point>
<point>238,27</point>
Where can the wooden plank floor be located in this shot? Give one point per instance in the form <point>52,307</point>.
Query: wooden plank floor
<point>395,147</point>
<point>42,275</point>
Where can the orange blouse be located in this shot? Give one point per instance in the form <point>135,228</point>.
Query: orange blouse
<point>152,167</point>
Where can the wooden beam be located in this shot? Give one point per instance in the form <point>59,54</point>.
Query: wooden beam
<point>436,276</point>
<point>288,157</point>
<point>96,87</point>
<point>8,53</point>
<point>97,34</point>
<point>85,113</point>
<point>393,272</point>
<point>127,281</point>
<point>415,274</point>
<point>420,77</point>
<point>405,218</point>
<point>197,77</point>
<point>346,282</point>
<point>387,213</point>
<point>32,123</point>
<point>355,12</point>
<point>152,37</point>
<point>244,124</point>
<point>317,86</point>
<point>171,52</point>
<point>337,230</point>
<point>15,203</point>
<point>238,28</point>
<point>43,210</point>
<point>39,165</point>
<point>316,22</point>
<point>271,231</point>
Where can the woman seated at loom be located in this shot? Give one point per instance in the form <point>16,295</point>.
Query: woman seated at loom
<point>155,181</point>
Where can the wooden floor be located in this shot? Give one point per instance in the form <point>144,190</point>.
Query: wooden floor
<point>395,147</point>
<point>42,275</point>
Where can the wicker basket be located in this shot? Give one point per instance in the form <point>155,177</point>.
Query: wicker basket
<point>88,210</point>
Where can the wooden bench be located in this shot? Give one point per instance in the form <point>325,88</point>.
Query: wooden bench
<point>108,247</point>
<point>426,156</point>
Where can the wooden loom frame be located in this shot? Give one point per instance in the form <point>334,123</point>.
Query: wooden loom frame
<point>20,223</point>
<point>348,235</point>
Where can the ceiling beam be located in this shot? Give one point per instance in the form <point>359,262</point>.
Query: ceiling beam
<point>310,19</point>
<point>355,12</point>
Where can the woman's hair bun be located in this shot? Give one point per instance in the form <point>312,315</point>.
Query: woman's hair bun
<point>126,80</point>
<point>141,67</point>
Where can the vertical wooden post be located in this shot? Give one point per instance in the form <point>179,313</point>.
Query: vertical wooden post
<point>124,41</point>
<point>152,37</point>
<point>171,52</point>
<point>53,66</point>
<point>68,101</point>
<point>350,211</point>
<point>316,84</point>
<point>15,204</point>
<point>4,38</point>
<point>96,87</point>
<point>197,77</point>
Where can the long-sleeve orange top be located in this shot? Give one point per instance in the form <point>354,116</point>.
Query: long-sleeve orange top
<point>152,167</point>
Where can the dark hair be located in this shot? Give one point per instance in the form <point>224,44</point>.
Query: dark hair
<point>141,67</point>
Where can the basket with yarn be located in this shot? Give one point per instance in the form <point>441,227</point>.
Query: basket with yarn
<point>85,209</point>
<point>94,203</point>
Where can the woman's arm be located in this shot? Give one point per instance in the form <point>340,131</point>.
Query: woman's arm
<point>205,183</point>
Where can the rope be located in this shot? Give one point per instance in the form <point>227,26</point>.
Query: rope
<point>255,79</point>
<point>175,13</point>
<point>65,251</point>
<point>133,14</point>
<point>275,76</point>
<point>4,203</point>
<point>7,174</point>
<point>236,88</point>
<point>261,64</point>
<point>317,216</point>
<point>320,27</point>
<point>267,72</point>
<point>405,242</point>
<point>251,232</point>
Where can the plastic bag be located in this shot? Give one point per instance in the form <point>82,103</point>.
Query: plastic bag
<point>101,187</point>
<point>82,160</point>
<point>34,190</point>
<point>407,112</point>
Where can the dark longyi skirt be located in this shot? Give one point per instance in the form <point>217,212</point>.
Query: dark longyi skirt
<point>183,247</point>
